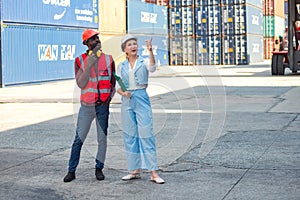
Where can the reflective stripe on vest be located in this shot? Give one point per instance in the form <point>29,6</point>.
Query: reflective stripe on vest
<point>89,94</point>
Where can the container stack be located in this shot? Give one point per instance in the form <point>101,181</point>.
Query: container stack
<point>274,25</point>
<point>145,20</point>
<point>208,32</point>
<point>218,31</point>
<point>182,33</point>
<point>40,39</point>
<point>242,32</point>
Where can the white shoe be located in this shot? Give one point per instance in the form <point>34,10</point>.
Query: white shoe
<point>131,176</point>
<point>157,180</point>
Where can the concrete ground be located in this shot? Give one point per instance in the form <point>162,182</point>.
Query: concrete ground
<point>225,132</point>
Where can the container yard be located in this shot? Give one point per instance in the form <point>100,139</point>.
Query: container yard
<point>184,32</point>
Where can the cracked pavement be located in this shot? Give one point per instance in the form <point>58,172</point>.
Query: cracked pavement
<point>232,133</point>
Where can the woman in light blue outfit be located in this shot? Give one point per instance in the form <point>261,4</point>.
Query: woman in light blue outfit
<point>136,110</point>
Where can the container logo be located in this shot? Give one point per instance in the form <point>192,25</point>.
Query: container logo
<point>149,17</point>
<point>255,48</point>
<point>62,3</point>
<point>255,20</point>
<point>48,52</point>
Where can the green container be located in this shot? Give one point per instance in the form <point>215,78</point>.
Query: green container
<point>273,26</point>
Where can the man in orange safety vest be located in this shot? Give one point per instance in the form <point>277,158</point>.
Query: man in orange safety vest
<point>94,76</point>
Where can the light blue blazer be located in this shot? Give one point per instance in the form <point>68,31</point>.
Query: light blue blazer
<point>141,71</point>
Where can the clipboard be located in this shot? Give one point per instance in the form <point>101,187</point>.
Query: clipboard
<point>120,82</point>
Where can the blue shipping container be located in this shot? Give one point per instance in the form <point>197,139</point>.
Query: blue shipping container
<point>228,50</point>
<point>202,51</point>
<point>48,12</point>
<point>228,20</point>
<point>176,51</point>
<point>207,2</point>
<point>32,54</point>
<point>188,50</point>
<point>145,18</point>
<point>208,50</point>
<point>248,19</point>
<point>175,21</point>
<point>175,3</point>
<point>207,20</point>
<point>187,21</point>
<point>241,57</point>
<point>160,46</point>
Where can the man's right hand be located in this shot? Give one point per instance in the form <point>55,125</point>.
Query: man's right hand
<point>96,48</point>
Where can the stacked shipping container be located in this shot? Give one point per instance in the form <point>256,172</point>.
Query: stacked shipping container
<point>242,31</point>
<point>182,33</point>
<point>145,20</point>
<point>42,45</point>
<point>208,32</point>
<point>274,25</point>
<point>216,31</point>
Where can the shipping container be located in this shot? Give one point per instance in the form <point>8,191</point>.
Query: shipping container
<point>274,7</point>
<point>248,19</point>
<point>208,50</point>
<point>187,21</point>
<point>206,2</point>
<point>241,57</point>
<point>145,18</point>
<point>160,45</point>
<point>112,17</point>
<point>228,20</point>
<point>175,23</point>
<point>228,50</point>
<point>187,2</point>
<point>201,21</point>
<point>175,48</point>
<point>207,20</point>
<point>269,45</point>
<point>33,54</point>
<point>181,21</point>
<point>274,26</point>
<point>188,50</point>
<point>227,2</point>
<point>175,3</point>
<point>46,12</point>
<point>202,50</point>
<point>242,49</point>
<point>255,51</point>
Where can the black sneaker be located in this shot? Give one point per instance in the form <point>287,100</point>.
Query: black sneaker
<point>69,177</point>
<point>99,174</point>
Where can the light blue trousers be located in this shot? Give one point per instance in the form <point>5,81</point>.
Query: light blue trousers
<point>138,131</point>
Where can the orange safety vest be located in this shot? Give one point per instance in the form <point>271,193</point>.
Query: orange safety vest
<point>98,88</point>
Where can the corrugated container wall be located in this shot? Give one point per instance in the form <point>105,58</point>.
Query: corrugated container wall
<point>32,54</point>
<point>182,32</point>
<point>274,8</point>
<point>145,20</point>
<point>59,13</point>
<point>112,17</point>
<point>45,36</point>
